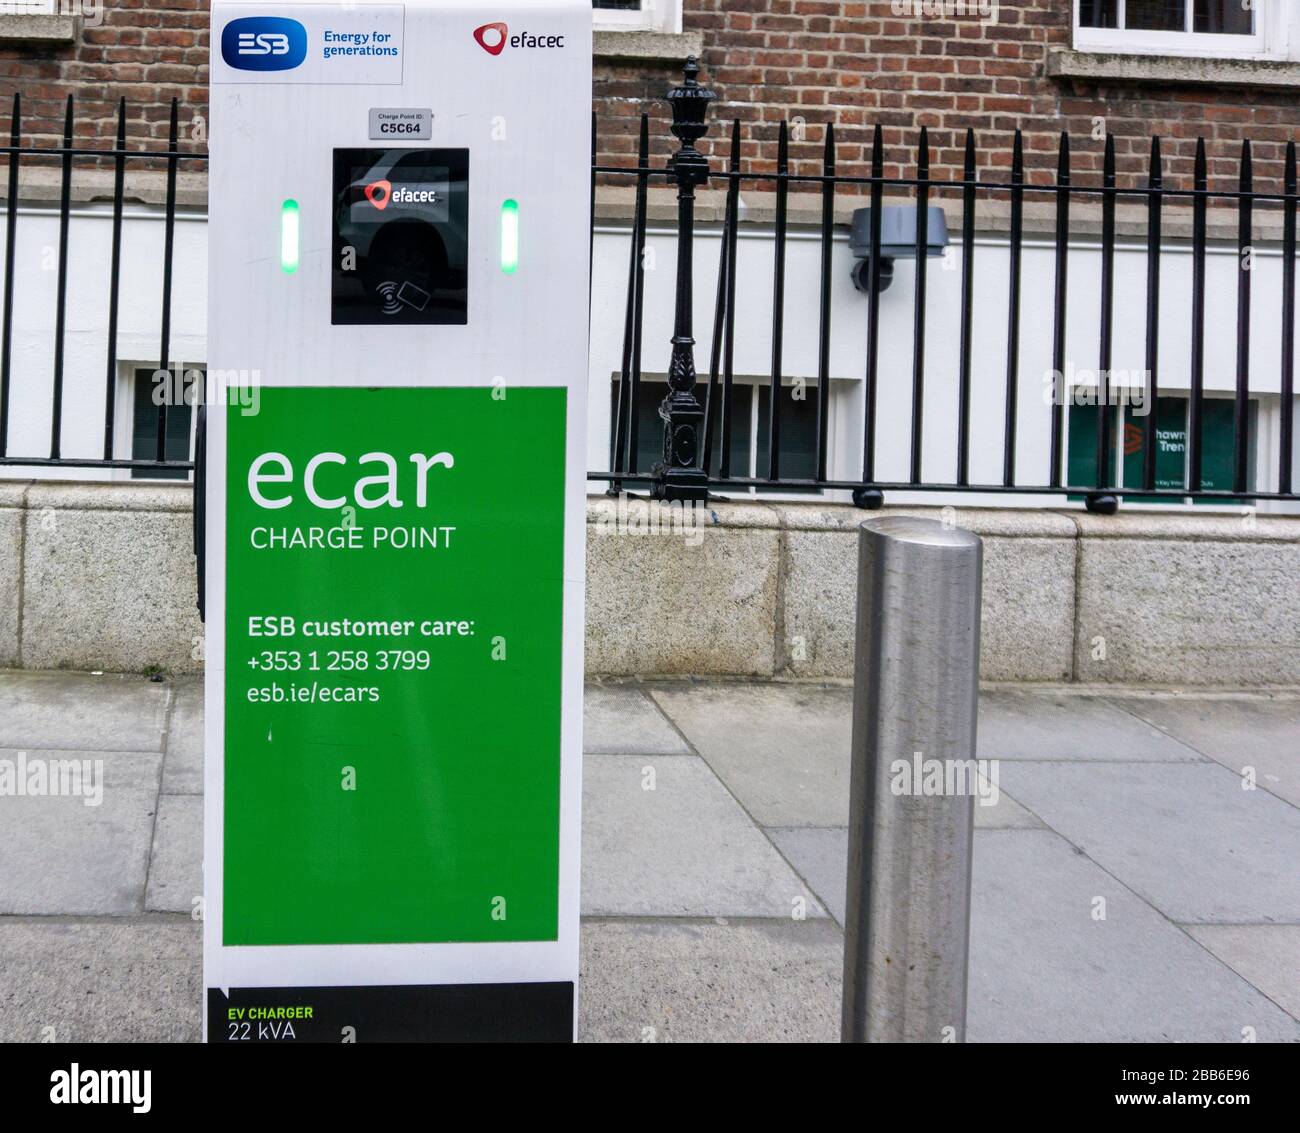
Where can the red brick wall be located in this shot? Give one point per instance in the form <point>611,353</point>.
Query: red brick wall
<point>147,51</point>
<point>856,64</point>
<point>850,63</point>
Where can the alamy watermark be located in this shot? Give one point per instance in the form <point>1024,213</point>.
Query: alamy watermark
<point>986,11</point>
<point>1126,388</point>
<point>687,518</point>
<point>241,389</point>
<point>36,777</point>
<point>928,778</point>
<point>89,12</point>
<point>75,1086</point>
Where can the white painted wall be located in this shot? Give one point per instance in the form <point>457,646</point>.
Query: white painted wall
<point>848,341</point>
<point>85,341</point>
<point>84,370</point>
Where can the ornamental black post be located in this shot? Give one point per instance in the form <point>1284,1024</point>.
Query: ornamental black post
<point>678,476</point>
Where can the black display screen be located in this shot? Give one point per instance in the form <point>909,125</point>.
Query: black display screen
<point>401,236</point>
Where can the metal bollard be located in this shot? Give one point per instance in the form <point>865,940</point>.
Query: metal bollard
<point>916,689</point>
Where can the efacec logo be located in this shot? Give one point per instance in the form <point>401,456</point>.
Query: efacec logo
<point>381,193</point>
<point>264,43</point>
<point>495,37</point>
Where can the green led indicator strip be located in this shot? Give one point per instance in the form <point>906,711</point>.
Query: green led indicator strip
<point>289,237</point>
<point>510,237</point>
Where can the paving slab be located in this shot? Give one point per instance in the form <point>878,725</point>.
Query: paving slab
<point>100,981</point>
<point>59,855</point>
<point>1043,724</point>
<point>176,863</point>
<point>820,854</point>
<point>1263,734</point>
<point>1042,969</point>
<point>1184,836</point>
<point>783,750</point>
<point>183,766</point>
<point>622,718</point>
<point>704,981</point>
<point>78,711</point>
<point>683,849</point>
<point>1268,955</point>
<point>1006,813</point>
<point>1146,787</point>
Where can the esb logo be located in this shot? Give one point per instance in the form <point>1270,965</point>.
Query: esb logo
<point>264,43</point>
<point>494,37</point>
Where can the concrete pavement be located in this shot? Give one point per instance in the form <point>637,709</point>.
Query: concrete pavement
<point>1127,887</point>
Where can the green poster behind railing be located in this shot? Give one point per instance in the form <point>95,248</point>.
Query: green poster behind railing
<point>1171,447</point>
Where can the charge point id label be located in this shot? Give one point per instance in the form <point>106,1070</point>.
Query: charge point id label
<point>389,123</point>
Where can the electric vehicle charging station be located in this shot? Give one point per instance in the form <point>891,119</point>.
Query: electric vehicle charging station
<point>395,519</point>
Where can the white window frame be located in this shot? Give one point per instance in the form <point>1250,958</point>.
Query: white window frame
<point>124,422</point>
<point>654,15</point>
<point>1277,36</point>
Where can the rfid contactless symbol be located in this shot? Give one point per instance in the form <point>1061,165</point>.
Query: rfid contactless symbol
<point>492,37</point>
<point>379,193</point>
<point>387,292</point>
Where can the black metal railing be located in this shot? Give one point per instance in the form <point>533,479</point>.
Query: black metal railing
<point>118,158</point>
<point>715,394</point>
<point>699,414</point>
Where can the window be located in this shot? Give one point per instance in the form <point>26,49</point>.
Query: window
<point>141,388</point>
<point>1225,28</point>
<point>637,15</point>
<point>750,401</point>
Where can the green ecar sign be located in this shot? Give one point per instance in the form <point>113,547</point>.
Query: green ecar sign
<point>393,679</point>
